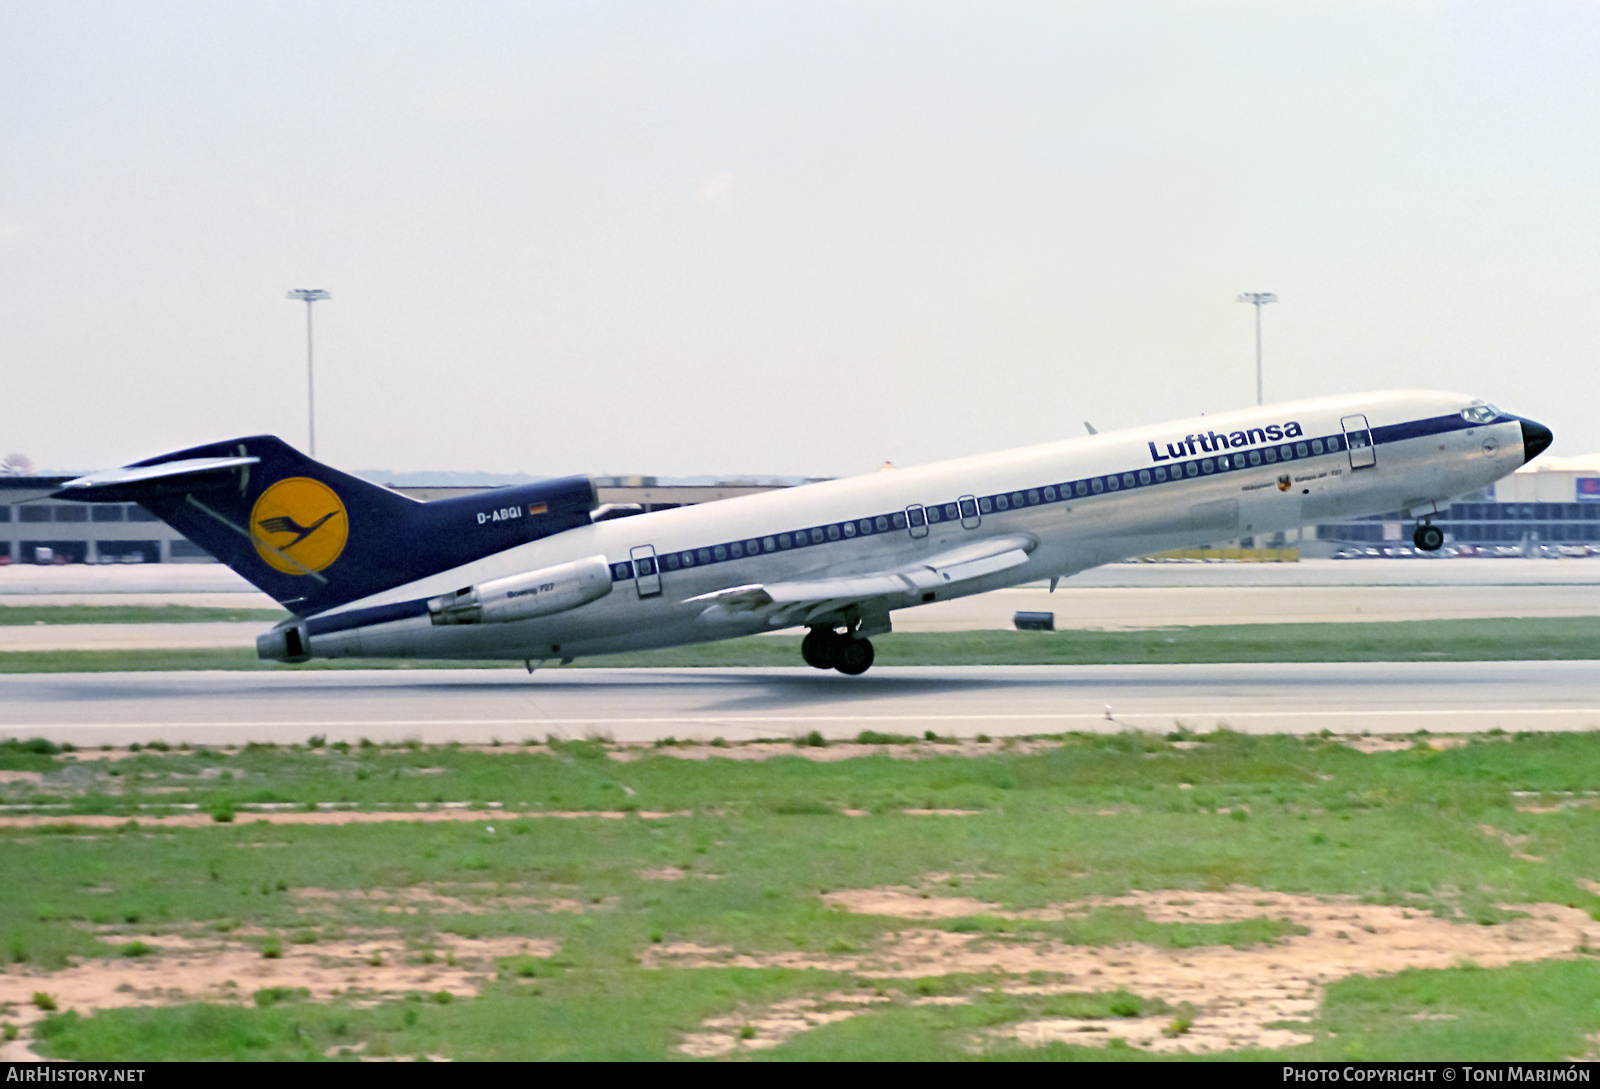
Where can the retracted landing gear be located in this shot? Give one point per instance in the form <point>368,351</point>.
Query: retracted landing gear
<point>824,648</point>
<point>1427,537</point>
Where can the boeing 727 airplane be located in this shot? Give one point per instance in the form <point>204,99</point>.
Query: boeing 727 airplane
<point>527,573</point>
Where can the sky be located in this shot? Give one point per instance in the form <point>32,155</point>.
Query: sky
<point>779,238</point>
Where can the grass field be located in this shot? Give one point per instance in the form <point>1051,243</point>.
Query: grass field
<point>1126,896</point>
<point>1499,639</point>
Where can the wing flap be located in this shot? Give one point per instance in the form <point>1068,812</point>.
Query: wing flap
<point>810,596</point>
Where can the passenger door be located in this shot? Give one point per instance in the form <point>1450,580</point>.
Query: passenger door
<point>1358,440</point>
<point>646,571</point>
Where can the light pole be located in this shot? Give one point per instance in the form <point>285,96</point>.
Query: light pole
<point>1259,299</point>
<point>309,295</point>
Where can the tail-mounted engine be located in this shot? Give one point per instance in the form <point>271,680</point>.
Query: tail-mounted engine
<point>523,597</point>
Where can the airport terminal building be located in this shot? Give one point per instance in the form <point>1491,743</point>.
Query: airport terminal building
<point>1553,503</point>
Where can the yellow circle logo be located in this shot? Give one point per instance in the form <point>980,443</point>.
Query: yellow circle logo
<point>299,525</point>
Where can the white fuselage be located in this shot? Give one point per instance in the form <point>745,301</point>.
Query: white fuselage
<point>1077,504</point>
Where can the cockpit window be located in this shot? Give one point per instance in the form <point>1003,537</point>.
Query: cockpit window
<point>1479,413</point>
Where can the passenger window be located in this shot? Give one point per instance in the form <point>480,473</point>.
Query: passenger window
<point>849,529</point>
<point>899,519</point>
<point>1300,450</point>
<point>768,544</point>
<point>1000,502</point>
<point>1016,499</point>
<point>1050,495</point>
<point>833,533</point>
<point>1270,453</point>
<point>783,540</point>
<point>1316,446</point>
<point>737,548</point>
<point>720,553</point>
<point>1207,467</point>
<point>816,535</point>
<point>1111,483</point>
<point>1191,469</point>
<point>1127,480</point>
<point>1161,473</point>
<point>704,555</point>
<point>1082,488</point>
<point>1097,485</point>
<point>1255,457</point>
<point>671,560</point>
<point>1033,497</point>
<point>985,506</point>
<point>881,524</point>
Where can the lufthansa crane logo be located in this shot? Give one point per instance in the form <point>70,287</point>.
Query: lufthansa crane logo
<point>299,525</point>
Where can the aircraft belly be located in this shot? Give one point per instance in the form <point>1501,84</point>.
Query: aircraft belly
<point>538,639</point>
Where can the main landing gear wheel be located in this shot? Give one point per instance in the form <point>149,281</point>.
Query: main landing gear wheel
<point>1428,537</point>
<point>824,648</point>
<point>853,657</point>
<point>817,648</point>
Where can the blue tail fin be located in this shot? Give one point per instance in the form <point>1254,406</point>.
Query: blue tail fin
<point>313,537</point>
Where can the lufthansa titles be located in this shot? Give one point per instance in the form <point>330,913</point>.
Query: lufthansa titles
<point>1211,442</point>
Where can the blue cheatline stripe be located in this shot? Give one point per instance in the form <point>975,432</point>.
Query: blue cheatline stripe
<point>1065,492</point>
<point>363,618</point>
<point>1416,429</point>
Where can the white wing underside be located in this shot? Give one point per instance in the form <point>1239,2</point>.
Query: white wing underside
<point>801,601</point>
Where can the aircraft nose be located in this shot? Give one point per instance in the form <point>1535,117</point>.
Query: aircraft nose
<point>1535,438</point>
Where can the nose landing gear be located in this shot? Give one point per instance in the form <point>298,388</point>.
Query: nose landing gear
<point>824,648</point>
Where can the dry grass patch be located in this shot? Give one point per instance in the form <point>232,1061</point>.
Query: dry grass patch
<point>368,968</point>
<point>769,1026</point>
<point>1240,998</point>
<point>481,899</point>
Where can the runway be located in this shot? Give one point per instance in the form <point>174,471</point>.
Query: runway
<point>644,705</point>
<point>1117,597</point>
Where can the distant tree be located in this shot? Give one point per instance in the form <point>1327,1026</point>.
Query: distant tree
<point>16,465</point>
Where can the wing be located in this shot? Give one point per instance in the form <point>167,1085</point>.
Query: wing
<point>805,601</point>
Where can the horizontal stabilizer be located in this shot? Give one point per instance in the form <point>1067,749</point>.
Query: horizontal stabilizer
<point>129,482</point>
